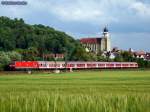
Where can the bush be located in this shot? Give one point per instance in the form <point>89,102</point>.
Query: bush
<point>14,56</point>
<point>4,60</point>
<point>7,57</point>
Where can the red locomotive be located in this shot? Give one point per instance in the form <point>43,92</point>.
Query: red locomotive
<point>70,65</point>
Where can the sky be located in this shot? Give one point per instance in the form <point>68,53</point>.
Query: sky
<point>128,21</point>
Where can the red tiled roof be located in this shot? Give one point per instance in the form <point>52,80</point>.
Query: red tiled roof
<point>140,53</point>
<point>90,40</point>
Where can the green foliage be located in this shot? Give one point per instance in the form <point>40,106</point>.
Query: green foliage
<point>14,56</point>
<point>119,58</point>
<point>4,60</point>
<point>32,39</point>
<point>101,58</point>
<point>79,54</point>
<point>143,63</point>
<point>7,57</point>
<point>127,56</point>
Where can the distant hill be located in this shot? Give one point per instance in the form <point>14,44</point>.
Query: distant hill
<point>16,35</point>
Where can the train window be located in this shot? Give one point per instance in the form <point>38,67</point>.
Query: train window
<point>71,65</point>
<point>43,65</point>
<point>125,64</point>
<point>108,64</point>
<point>63,65</point>
<point>118,64</point>
<point>91,65</point>
<point>80,65</point>
<point>111,64</point>
<point>101,64</point>
<point>94,65</point>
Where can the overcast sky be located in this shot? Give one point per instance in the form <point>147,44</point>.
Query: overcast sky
<point>128,21</point>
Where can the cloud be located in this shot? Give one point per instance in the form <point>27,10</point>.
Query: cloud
<point>91,11</point>
<point>78,14</point>
<point>99,11</point>
<point>78,11</point>
<point>83,11</point>
<point>141,9</point>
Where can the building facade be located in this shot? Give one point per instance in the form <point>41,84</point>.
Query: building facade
<point>97,44</point>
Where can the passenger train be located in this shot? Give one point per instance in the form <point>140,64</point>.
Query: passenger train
<point>70,65</point>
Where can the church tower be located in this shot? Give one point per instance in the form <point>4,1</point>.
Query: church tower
<point>97,44</point>
<point>106,36</point>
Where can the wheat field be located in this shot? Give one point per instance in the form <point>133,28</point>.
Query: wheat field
<point>85,91</point>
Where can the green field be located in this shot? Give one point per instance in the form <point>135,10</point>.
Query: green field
<point>90,91</point>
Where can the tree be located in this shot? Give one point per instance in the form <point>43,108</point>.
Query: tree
<point>4,60</point>
<point>127,56</point>
<point>119,58</point>
<point>14,56</point>
<point>79,54</point>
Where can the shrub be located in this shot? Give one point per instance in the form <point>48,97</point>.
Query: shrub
<point>7,57</point>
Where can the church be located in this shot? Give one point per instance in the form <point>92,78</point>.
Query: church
<point>97,44</point>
